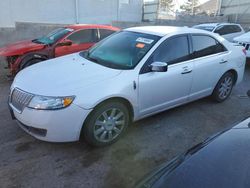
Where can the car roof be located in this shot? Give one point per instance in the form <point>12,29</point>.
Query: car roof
<point>216,24</point>
<point>88,26</point>
<point>164,30</point>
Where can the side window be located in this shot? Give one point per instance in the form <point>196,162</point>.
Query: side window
<point>222,30</point>
<point>228,29</point>
<point>205,45</point>
<point>84,36</point>
<point>172,51</point>
<point>235,29</point>
<point>105,33</point>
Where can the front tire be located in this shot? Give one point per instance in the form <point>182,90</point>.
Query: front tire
<point>106,124</point>
<point>224,87</point>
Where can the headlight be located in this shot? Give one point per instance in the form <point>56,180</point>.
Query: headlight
<point>50,103</point>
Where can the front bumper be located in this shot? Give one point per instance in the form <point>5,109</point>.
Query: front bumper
<point>62,125</point>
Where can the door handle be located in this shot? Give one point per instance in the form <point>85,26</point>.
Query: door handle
<point>186,70</point>
<point>223,61</point>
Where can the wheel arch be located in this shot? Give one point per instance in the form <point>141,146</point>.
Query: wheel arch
<point>28,57</point>
<point>123,100</point>
<point>234,72</point>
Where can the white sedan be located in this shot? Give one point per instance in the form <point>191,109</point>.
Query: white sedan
<point>244,40</point>
<point>130,75</point>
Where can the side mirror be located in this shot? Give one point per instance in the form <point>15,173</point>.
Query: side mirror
<point>65,43</point>
<point>159,67</point>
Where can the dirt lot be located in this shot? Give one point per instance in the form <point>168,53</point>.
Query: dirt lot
<point>27,162</point>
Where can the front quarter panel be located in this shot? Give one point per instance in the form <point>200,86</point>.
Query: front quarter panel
<point>124,85</point>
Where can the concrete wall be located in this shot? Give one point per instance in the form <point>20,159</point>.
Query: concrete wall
<point>23,31</point>
<point>68,11</point>
<point>237,11</point>
<point>180,21</point>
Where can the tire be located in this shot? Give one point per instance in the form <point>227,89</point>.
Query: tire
<point>106,124</point>
<point>224,87</point>
<point>29,63</point>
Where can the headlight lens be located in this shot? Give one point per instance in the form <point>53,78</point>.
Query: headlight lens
<point>50,103</point>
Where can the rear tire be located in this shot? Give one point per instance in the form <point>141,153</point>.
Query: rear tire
<point>106,124</point>
<point>224,87</point>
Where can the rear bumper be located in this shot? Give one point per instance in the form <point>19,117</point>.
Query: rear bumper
<point>53,125</point>
<point>248,53</point>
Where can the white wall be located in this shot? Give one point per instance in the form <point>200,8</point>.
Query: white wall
<point>6,18</point>
<point>235,7</point>
<point>64,11</point>
<point>237,11</point>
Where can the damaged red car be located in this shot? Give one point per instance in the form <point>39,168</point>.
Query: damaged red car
<point>62,41</point>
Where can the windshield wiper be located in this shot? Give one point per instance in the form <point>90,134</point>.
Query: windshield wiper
<point>93,59</point>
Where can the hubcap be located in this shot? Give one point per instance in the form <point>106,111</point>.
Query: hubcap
<point>225,87</point>
<point>109,125</point>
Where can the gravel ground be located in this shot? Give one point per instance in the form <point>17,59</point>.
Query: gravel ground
<point>27,162</point>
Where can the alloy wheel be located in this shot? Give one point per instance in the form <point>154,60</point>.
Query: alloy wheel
<point>225,87</point>
<point>109,125</point>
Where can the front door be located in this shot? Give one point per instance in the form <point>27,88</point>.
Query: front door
<point>162,90</point>
<point>81,40</point>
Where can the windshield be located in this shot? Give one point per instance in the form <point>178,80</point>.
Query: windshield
<point>206,28</point>
<point>122,50</point>
<point>53,36</point>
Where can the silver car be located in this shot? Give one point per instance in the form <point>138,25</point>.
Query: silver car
<point>130,75</point>
<point>227,30</point>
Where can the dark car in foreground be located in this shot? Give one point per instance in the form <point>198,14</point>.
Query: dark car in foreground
<point>62,41</point>
<point>222,161</point>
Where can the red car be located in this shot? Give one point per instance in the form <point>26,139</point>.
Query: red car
<point>62,41</point>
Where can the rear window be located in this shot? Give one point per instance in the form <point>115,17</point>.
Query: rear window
<point>204,45</point>
<point>105,33</point>
<point>228,29</point>
<point>235,28</point>
<point>84,36</point>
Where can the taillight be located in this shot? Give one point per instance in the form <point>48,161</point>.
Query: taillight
<point>244,51</point>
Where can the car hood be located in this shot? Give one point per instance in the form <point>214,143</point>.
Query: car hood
<point>62,76</point>
<point>221,161</point>
<point>20,48</point>
<point>243,38</point>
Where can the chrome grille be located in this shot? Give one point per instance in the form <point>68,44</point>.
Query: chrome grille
<point>20,99</point>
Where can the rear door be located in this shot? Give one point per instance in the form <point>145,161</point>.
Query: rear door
<point>162,90</point>
<point>210,62</point>
<point>81,40</point>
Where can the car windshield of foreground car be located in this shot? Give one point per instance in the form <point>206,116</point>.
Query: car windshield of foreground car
<point>122,50</point>
<point>53,36</point>
<point>206,28</point>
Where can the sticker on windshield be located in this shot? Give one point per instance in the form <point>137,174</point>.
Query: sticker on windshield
<point>140,45</point>
<point>144,40</point>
